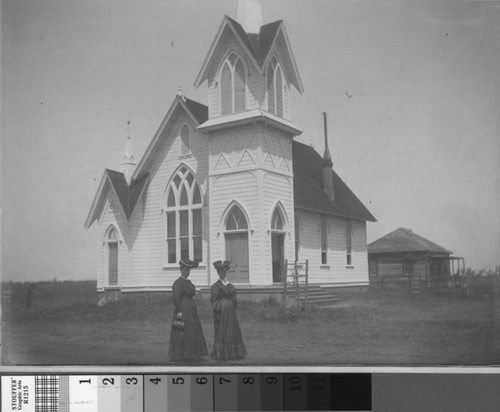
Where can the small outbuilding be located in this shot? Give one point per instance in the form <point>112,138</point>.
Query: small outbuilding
<point>405,258</point>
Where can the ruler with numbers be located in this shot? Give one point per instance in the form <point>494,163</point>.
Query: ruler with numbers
<point>187,392</point>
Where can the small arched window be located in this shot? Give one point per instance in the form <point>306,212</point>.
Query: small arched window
<point>275,86</point>
<point>236,220</point>
<point>277,221</point>
<point>185,140</point>
<point>112,255</point>
<point>348,243</point>
<point>112,235</point>
<point>183,212</point>
<point>324,242</point>
<point>232,80</point>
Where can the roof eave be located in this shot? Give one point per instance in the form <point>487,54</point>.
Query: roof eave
<point>252,116</point>
<point>336,214</point>
<point>91,216</point>
<point>297,82</point>
<point>177,101</point>
<point>139,198</point>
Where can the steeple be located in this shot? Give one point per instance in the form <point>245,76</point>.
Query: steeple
<point>128,160</point>
<point>327,167</point>
<point>249,15</point>
<point>326,156</point>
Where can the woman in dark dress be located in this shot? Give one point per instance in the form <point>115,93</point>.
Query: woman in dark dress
<point>228,342</point>
<point>188,344</point>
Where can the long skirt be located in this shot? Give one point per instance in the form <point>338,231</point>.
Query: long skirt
<point>189,344</point>
<point>228,342</point>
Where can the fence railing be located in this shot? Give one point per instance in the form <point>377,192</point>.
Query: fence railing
<point>296,282</point>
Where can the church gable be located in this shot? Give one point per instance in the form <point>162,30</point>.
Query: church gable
<point>247,71</point>
<point>116,196</point>
<point>183,112</point>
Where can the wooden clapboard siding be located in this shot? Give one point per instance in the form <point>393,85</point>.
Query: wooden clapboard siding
<point>277,189</point>
<point>336,269</point>
<point>240,187</point>
<point>233,150</point>
<point>391,266</point>
<point>148,223</point>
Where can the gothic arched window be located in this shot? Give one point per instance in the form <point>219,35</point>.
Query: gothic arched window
<point>183,212</point>
<point>324,242</point>
<point>348,243</point>
<point>111,240</point>
<point>275,85</point>
<point>232,81</point>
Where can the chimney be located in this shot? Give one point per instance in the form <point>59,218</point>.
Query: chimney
<point>249,15</point>
<point>128,160</point>
<point>327,166</point>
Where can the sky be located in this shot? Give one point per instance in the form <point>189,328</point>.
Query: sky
<point>411,89</point>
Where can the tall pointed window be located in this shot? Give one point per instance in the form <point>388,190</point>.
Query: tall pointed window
<point>324,242</point>
<point>275,85</point>
<point>183,210</point>
<point>348,243</point>
<point>232,81</point>
<point>112,255</point>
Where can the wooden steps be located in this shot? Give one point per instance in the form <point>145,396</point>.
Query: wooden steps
<point>316,295</point>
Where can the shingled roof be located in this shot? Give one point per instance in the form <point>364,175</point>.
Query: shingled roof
<point>258,47</point>
<point>308,179</point>
<point>258,44</point>
<point>127,195</point>
<point>308,187</point>
<point>198,110</point>
<point>404,241</point>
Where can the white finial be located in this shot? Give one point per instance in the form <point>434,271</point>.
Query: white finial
<point>249,15</point>
<point>128,159</point>
<point>180,93</point>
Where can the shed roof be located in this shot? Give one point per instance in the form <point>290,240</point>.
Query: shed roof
<point>403,241</point>
<point>308,187</point>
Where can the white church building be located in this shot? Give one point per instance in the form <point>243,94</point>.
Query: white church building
<point>228,181</point>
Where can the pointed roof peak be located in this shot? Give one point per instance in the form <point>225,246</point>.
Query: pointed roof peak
<point>249,15</point>
<point>326,156</point>
<point>127,154</point>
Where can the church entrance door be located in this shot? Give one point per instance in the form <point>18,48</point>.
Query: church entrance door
<point>277,240</point>
<point>237,254</point>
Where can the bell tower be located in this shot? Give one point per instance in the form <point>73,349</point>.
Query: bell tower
<point>250,70</point>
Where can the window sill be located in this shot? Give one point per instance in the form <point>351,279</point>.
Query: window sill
<point>349,266</point>
<point>176,266</point>
<point>324,266</point>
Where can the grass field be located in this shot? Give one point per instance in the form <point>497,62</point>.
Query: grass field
<point>60,323</point>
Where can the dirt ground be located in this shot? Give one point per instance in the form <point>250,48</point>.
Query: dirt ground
<point>363,329</point>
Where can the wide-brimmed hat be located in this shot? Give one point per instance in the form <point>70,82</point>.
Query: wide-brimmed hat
<point>188,263</point>
<point>221,265</point>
